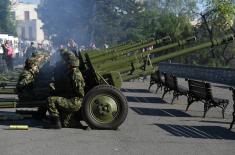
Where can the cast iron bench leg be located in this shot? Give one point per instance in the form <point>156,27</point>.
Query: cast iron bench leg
<point>224,106</point>
<point>165,91</point>
<point>190,101</point>
<point>231,125</point>
<point>207,106</point>
<point>158,87</point>
<point>175,95</point>
<point>150,85</point>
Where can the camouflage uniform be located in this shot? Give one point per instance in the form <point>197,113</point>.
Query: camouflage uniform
<point>43,79</point>
<point>66,107</point>
<point>26,81</point>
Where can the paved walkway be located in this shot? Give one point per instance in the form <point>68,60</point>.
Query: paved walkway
<point>153,127</point>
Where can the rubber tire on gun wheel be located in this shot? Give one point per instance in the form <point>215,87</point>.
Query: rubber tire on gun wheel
<point>108,92</point>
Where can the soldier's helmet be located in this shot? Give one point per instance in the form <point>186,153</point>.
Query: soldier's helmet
<point>74,63</point>
<point>34,54</point>
<point>72,60</point>
<point>67,55</point>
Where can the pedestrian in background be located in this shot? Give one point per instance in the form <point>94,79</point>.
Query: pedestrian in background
<point>32,49</point>
<point>8,54</point>
<point>93,46</point>
<point>72,46</point>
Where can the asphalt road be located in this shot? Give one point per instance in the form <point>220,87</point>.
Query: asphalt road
<point>153,127</point>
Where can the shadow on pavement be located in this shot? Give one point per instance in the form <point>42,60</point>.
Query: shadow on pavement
<point>145,99</point>
<point>160,112</point>
<point>135,90</point>
<point>204,132</point>
<point>219,122</point>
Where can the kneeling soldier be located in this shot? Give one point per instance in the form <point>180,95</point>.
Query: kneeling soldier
<point>63,109</point>
<point>26,81</point>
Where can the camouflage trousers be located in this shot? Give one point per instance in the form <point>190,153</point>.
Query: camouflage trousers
<point>65,109</point>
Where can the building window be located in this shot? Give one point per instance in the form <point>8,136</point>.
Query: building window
<point>31,33</point>
<point>23,32</point>
<point>26,15</point>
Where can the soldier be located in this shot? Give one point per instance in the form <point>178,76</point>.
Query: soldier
<point>30,86</point>
<point>64,109</point>
<point>26,80</point>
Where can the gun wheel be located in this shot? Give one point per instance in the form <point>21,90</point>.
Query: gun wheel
<point>105,107</point>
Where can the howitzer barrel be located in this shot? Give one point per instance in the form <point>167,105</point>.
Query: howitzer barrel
<point>102,53</point>
<point>119,45</point>
<point>137,47</point>
<point>215,42</point>
<point>7,84</point>
<point>97,53</point>
<point>135,58</point>
<point>7,91</point>
<point>8,103</point>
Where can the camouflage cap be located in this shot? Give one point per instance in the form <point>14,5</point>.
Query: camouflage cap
<point>30,62</point>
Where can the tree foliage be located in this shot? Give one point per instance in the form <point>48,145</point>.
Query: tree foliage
<point>64,20</point>
<point>215,21</point>
<point>114,21</point>
<point>6,22</point>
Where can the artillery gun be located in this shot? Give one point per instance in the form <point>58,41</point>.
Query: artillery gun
<point>132,48</point>
<point>97,79</point>
<point>120,63</point>
<point>104,106</point>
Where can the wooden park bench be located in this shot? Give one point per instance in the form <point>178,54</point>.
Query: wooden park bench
<point>155,78</point>
<point>171,84</point>
<point>201,91</point>
<point>231,125</point>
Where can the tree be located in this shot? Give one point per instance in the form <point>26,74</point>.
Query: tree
<point>88,20</point>
<point>172,17</point>
<point>122,19</point>
<point>216,21</point>
<point>64,20</point>
<point>6,22</point>
<point>114,21</point>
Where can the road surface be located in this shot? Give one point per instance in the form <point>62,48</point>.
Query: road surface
<point>153,127</point>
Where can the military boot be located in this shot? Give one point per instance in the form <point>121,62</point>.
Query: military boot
<point>40,114</point>
<point>53,124</point>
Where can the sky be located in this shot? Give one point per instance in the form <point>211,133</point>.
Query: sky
<point>30,1</point>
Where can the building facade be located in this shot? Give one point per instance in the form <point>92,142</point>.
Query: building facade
<point>29,26</point>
